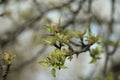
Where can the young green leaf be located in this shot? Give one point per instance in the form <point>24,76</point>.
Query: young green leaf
<point>75,34</point>
<point>94,53</point>
<point>45,64</point>
<point>82,34</point>
<point>92,38</point>
<point>93,60</point>
<point>53,72</point>
<point>64,67</point>
<point>48,41</point>
<point>100,43</point>
<point>49,29</point>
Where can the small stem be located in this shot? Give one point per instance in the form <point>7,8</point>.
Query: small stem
<point>6,72</point>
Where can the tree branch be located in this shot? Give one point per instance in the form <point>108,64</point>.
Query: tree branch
<point>75,13</point>
<point>24,64</point>
<point>28,24</point>
<point>110,32</point>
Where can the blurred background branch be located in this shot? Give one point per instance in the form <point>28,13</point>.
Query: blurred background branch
<point>22,32</point>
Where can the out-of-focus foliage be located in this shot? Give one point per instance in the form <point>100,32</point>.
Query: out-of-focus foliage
<point>110,76</point>
<point>7,57</point>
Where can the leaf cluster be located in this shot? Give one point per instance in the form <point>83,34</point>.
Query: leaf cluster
<point>56,60</point>
<point>61,40</point>
<point>8,57</point>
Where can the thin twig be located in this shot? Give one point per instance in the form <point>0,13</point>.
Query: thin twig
<point>89,11</point>
<point>6,72</point>
<point>87,48</point>
<point>24,64</point>
<point>114,49</point>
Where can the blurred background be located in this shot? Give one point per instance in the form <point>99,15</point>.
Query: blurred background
<point>22,30</point>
